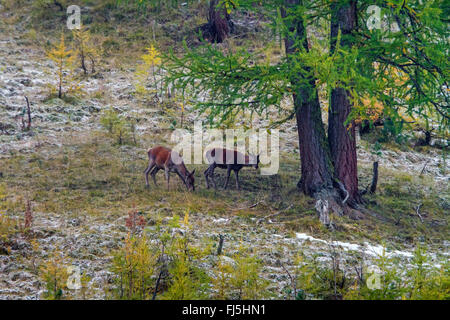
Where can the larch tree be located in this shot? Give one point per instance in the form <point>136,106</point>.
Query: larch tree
<point>63,59</point>
<point>85,49</point>
<point>341,135</point>
<point>316,170</point>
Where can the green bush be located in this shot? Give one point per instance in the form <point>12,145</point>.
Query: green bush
<point>118,127</point>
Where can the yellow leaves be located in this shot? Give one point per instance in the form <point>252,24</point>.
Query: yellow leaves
<point>85,48</point>
<point>81,35</point>
<point>135,263</point>
<point>186,219</point>
<point>64,59</point>
<point>54,273</point>
<point>229,5</point>
<point>60,54</point>
<point>374,108</point>
<point>152,57</point>
<point>143,72</point>
<point>182,106</point>
<point>366,108</point>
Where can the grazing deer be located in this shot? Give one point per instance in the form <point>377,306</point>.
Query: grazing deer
<point>161,158</point>
<point>218,157</point>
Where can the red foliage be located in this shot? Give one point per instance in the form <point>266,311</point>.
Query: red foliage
<point>28,216</point>
<point>134,221</point>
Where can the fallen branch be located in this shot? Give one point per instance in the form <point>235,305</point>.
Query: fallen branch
<point>293,281</point>
<point>250,207</point>
<point>423,169</point>
<point>273,215</point>
<point>418,211</point>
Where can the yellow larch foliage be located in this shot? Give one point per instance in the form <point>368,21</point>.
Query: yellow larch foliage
<point>369,108</point>
<point>144,71</point>
<point>54,274</point>
<point>152,57</point>
<point>85,49</point>
<point>63,58</point>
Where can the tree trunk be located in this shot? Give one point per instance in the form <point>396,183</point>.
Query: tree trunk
<point>341,136</point>
<point>83,64</point>
<point>219,22</point>
<point>316,168</point>
<point>373,186</point>
<point>28,113</point>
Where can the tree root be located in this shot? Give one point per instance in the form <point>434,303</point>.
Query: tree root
<point>330,201</point>
<point>326,201</point>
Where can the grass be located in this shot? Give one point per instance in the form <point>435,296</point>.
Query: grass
<point>91,175</point>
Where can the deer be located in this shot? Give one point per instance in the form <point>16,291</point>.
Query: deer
<point>162,158</point>
<point>218,157</point>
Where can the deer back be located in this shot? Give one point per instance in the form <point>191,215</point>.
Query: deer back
<point>226,156</point>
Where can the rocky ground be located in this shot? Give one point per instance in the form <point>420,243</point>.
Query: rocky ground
<point>88,239</point>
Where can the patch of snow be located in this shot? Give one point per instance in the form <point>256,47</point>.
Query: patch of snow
<point>367,248</point>
<point>221,220</point>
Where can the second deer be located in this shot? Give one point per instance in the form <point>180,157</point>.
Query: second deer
<point>230,160</point>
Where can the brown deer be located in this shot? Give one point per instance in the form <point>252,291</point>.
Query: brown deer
<point>161,158</point>
<point>230,160</point>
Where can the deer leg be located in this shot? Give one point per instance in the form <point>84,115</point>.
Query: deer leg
<point>228,177</point>
<point>211,168</point>
<point>153,174</point>
<point>166,172</point>
<point>151,164</point>
<point>236,175</point>
<point>206,173</point>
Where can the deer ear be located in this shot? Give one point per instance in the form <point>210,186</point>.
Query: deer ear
<point>192,173</point>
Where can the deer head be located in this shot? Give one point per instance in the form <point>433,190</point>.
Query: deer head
<point>190,181</point>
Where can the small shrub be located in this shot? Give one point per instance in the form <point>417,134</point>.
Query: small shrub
<point>118,128</point>
<point>421,281</point>
<point>85,50</point>
<point>54,274</point>
<point>8,226</point>
<point>240,278</point>
<point>135,221</point>
<point>63,59</point>
<point>146,71</point>
<point>187,281</point>
<point>134,266</point>
<point>28,219</point>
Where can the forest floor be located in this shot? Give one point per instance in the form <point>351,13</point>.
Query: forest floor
<point>82,185</point>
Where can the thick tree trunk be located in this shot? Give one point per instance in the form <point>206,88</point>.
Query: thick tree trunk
<point>219,22</point>
<point>341,136</point>
<point>316,168</point>
<point>318,178</point>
